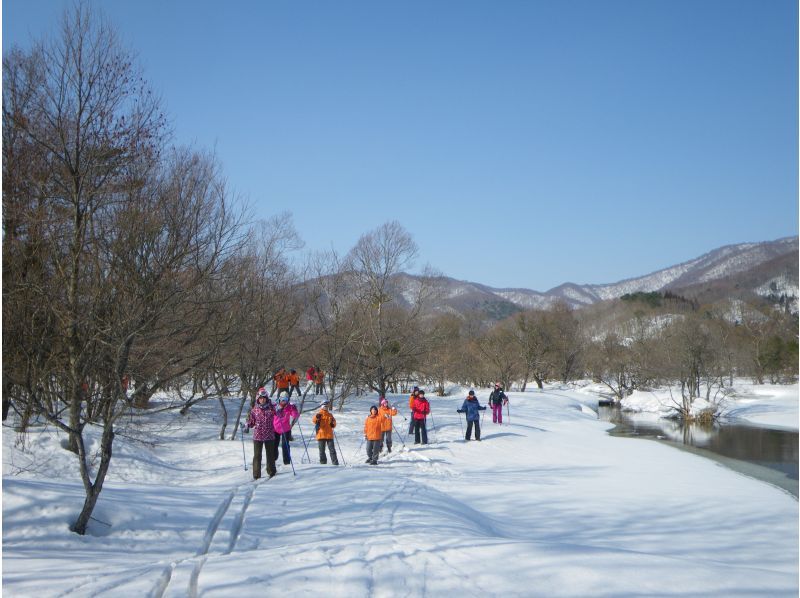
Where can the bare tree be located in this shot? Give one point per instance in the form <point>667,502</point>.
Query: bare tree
<point>531,336</point>
<point>113,250</point>
<point>691,352</point>
<point>446,350</point>
<point>611,363</point>
<point>267,307</point>
<point>499,348</point>
<point>390,342</point>
<point>565,341</point>
<point>333,323</point>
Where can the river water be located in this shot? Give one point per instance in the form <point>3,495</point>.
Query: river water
<point>767,454</point>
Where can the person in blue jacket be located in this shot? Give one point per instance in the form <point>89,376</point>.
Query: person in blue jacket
<point>471,407</point>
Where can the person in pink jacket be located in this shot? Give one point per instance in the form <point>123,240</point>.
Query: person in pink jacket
<point>285,416</point>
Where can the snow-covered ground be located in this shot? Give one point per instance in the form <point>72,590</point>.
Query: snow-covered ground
<point>547,504</point>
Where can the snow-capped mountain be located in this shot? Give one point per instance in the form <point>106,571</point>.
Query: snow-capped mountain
<point>764,269</point>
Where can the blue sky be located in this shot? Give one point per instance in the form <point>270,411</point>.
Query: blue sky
<point>522,143</point>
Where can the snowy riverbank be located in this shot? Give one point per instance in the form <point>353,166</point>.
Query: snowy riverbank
<point>773,405</point>
<point>550,505</point>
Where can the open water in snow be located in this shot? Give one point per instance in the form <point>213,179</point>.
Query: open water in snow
<point>768,454</point>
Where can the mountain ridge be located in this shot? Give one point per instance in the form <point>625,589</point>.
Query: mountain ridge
<point>745,270</point>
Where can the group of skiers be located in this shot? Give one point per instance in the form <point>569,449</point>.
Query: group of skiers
<point>289,382</point>
<point>272,423</point>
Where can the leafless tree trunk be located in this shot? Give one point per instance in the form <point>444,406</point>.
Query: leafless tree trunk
<point>390,343</point>
<point>116,257</point>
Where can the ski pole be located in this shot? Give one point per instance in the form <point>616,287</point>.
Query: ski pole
<point>433,427</point>
<point>358,450</point>
<point>286,448</point>
<point>244,458</point>
<point>462,424</point>
<point>305,446</point>
<point>336,438</point>
<point>398,435</point>
<point>508,411</point>
<point>404,419</point>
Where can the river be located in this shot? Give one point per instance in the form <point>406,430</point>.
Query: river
<point>768,454</point>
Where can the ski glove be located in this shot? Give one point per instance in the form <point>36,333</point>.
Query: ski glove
<point>246,430</point>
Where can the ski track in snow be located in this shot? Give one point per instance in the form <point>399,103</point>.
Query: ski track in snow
<point>211,544</point>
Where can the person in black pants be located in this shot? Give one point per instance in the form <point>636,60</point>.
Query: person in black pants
<point>419,414</point>
<point>472,408</point>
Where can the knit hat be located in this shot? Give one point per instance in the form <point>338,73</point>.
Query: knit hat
<point>416,388</point>
<point>384,401</point>
<point>262,392</point>
<point>283,399</point>
<point>324,405</point>
<point>471,393</point>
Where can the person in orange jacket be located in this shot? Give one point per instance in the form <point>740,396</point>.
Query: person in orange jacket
<point>414,395</point>
<point>319,382</point>
<point>373,430</point>
<point>294,382</point>
<point>386,412</point>
<point>324,423</point>
<point>281,379</point>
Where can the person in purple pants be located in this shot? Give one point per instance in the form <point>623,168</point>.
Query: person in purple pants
<point>497,399</point>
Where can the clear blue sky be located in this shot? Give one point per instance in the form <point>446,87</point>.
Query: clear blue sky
<point>522,143</point>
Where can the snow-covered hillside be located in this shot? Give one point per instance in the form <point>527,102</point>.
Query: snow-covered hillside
<point>723,264</point>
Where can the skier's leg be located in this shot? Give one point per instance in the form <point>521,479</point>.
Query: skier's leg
<point>271,454</point>
<point>332,451</point>
<point>322,458</point>
<point>257,459</point>
<point>369,446</point>
<point>287,458</point>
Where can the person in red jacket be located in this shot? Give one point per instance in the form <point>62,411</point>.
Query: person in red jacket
<point>419,414</point>
<point>310,379</point>
<point>372,434</point>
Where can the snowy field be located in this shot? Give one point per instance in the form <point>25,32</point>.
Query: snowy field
<point>547,504</point>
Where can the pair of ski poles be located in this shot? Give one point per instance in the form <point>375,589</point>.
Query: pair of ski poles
<point>284,447</point>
